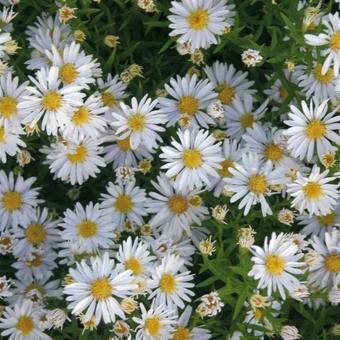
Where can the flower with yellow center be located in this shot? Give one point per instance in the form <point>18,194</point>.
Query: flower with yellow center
<point>135,265</point>
<point>136,122</point>
<point>226,93</point>
<point>51,101</point>
<point>109,100</point>
<point>8,107</point>
<point>332,263</point>
<point>178,204</point>
<point>192,158</point>
<point>198,19</point>
<point>188,105</point>
<point>35,234</point>
<point>326,78</point>
<point>79,155</point>
<point>25,325</point>
<point>273,152</point>
<point>181,333</point>
<point>328,219</point>
<point>258,184</point>
<point>312,190</point>
<point>68,73</point>
<point>315,129</point>
<point>334,42</point>
<point>247,120</point>
<point>87,229</point>
<point>123,204</point>
<point>101,289</point>
<point>275,265</point>
<point>81,116</point>
<point>153,326</point>
<point>11,201</point>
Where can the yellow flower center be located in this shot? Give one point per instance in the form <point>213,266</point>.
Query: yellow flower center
<point>51,101</point>
<point>68,73</point>
<point>283,93</point>
<point>35,234</point>
<point>178,204</point>
<point>257,184</point>
<point>275,264</point>
<point>108,99</point>
<point>79,156</point>
<point>153,325</point>
<point>335,41</point>
<point>258,314</point>
<point>326,78</point>
<point>247,120</point>
<point>81,116</point>
<point>25,325</point>
<point>226,93</point>
<point>12,200</point>
<point>226,164</point>
<point>124,144</point>
<point>133,264</point>
<point>167,283</point>
<point>101,289</point>
<point>192,158</point>
<point>273,152</point>
<point>327,220</point>
<point>36,260</point>
<point>312,190</point>
<point>198,19</point>
<point>136,122</point>
<point>8,106</point>
<point>2,135</point>
<point>188,105</point>
<point>181,333</point>
<point>87,229</point>
<point>332,263</point>
<point>123,204</point>
<point>315,129</point>
<point>34,286</point>
<point>195,201</point>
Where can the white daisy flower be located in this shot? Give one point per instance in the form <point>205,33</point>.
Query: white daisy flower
<point>190,98</point>
<point>314,193</point>
<point>276,265</point>
<point>140,122</point>
<point>17,200</point>
<point>119,151</point>
<point>326,272</point>
<point>198,23</point>
<point>75,161</point>
<point>75,67</point>
<point>96,287</point>
<point>194,160</point>
<point>241,115</point>
<point>182,331</point>
<point>5,37</point>
<point>228,82</point>
<point>87,226</point>
<point>177,209</point>
<point>40,232</point>
<point>156,323</point>
<point>315,84</point>
<point>123,203</point>
<point>50,101</point>
<point>11,94</point>
<point>170,285</point>
<point>10,141</point>
<point>20,322</point>
<point>136,257</point>
<point>312,128</point>
<point>329,41</point>
<point>252,181</point>
<point>86,120</point>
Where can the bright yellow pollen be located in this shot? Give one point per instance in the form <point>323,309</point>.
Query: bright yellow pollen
<point>123,204</point>
<point>68,73</point>
<point>273,152</point>
<point>328,219</point>
<point>136,122</point>
<point>198,19</point>
<point>226,93</point>
<point>178,204</point>
<point>275,264</point>
<point>133,264</point>
<point>81,116</point>
<point>79,156</point>
<point>283,93</point>
<point>36,261</point>
<point>153,325</point>
<point>8,106</point>
<point>87,229</point>
<point>2,135</point>
<point>312,190</point>
<point>25,325</point>
<point>11,200</point>
<point>101,289</point>
<point>257,184</point>
<point>51,101</point>
<point>35,234</point>
<point>124,144</point>
<point>167,283</point>
<point>247,120</point>
<point>332,263</point>
<point>315,129</point>
<point>188,105</point>
<point>192,158</point>
<point>108,99</point>
<point>258,314</point>
<point>181,333</point>
<point>335,41</point>
<point>326,78</point>
<point>226,164</point>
